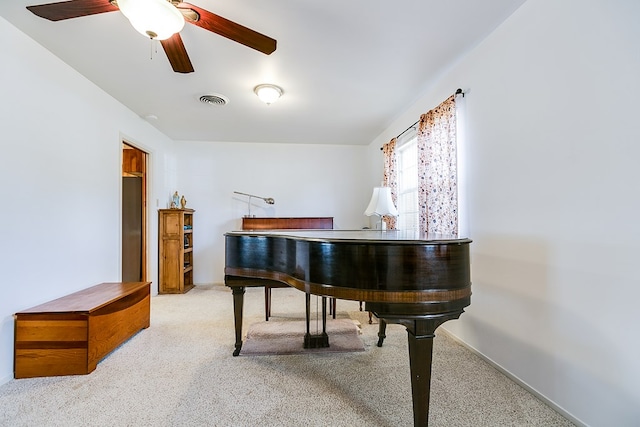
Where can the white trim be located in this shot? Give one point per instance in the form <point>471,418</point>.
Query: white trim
<point>6,379</point>
<point>517,380</point>
<point>150,209</point>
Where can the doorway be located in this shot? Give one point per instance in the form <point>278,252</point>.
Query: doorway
<point>134,214</point>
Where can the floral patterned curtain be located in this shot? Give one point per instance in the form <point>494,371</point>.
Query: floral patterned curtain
<point>390,178</point>
<point>437,170</point>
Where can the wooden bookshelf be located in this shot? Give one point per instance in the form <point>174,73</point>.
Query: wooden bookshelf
<point>175,252</point>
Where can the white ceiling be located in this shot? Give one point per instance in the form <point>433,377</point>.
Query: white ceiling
<point>347,67</point>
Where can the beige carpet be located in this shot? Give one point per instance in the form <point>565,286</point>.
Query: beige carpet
<point>287,337</point>
<point>181,373</point>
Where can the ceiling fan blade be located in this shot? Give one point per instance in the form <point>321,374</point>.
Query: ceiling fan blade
<point>231,30</point>
<point>177,54</point>
<point>72,9</point>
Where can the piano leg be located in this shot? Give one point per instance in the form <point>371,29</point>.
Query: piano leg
<point>267,302</point>
<point>421,331</point>
<point>382,330</point>
<point>420,357</point>
<point>238,301</point>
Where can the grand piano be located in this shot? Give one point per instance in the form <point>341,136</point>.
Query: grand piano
<point>414,279</point>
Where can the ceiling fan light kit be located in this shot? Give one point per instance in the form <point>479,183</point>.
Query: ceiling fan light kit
<point>162,20</point>
<point>268,93</point>
<point>156,19</point>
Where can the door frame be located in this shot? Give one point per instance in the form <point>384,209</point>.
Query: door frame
<point>144,168</point>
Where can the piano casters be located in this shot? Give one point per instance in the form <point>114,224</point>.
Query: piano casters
<point>319,340</point>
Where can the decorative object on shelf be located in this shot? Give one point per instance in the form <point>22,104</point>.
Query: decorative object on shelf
<point>381,204</point>
<point>267,200</point>
<point>183,202</point>
<point>175,201</point>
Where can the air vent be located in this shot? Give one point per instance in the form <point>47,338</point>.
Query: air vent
<point>214,99</point>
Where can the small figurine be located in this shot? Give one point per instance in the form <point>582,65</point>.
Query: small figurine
<point>175,201</point>
<point>183,202</point>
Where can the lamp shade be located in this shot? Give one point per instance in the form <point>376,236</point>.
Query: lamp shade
<point>381,203</point>
<point>156,19</point>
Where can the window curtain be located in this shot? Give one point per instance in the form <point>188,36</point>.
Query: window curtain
<point>437,170</point>
<point>390,178</point>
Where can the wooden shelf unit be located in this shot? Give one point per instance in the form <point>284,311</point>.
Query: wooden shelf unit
<point>175,252</point>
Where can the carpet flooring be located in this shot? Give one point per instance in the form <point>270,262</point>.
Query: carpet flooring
<point>181,372</point>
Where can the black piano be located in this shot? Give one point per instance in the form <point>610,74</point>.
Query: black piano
<point>417,280</point>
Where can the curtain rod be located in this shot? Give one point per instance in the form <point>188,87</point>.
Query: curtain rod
<point>458,92</point>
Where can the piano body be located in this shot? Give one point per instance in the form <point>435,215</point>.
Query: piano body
<point>417,280</point>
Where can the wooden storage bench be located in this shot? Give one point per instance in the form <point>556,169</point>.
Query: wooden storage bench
<point>70,335</point>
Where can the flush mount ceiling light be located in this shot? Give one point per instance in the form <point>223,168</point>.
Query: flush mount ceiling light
<point>156,19</point>
<point>268,93</point>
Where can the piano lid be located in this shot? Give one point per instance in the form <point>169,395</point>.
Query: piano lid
<point>389,236</point>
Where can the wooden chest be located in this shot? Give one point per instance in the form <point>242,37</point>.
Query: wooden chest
<point>70,335</point>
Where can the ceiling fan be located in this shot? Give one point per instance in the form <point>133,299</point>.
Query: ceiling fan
<point>173,46</point>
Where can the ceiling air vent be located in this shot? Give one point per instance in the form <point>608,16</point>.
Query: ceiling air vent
<point>214,99</point>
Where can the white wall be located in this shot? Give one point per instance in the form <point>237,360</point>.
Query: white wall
<point>304,180</point>
<point>552,153</point>
<point>61,175</point>
<point>552,181</point>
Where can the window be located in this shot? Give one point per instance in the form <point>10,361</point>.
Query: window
<point>407,164</point>
<point>421,167</point>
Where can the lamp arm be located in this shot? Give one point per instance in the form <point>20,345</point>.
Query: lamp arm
<point>267,200</point>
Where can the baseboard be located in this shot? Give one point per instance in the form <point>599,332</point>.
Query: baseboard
<point>5,379</point>
<point>517,380</point>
